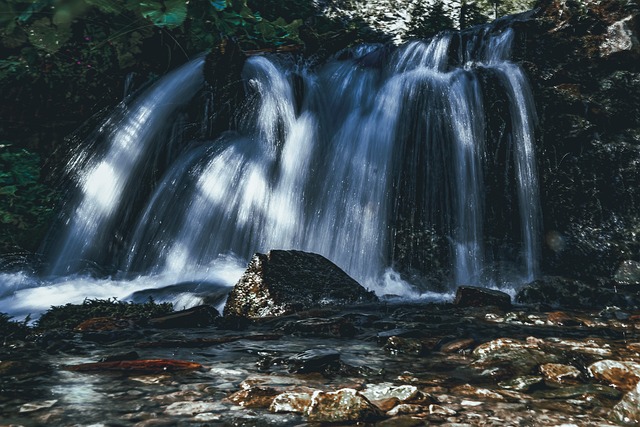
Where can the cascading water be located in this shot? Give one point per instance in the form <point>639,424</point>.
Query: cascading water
<point>381,158</point>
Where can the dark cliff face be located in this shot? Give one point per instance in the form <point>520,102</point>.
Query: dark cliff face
<point>583,61</point>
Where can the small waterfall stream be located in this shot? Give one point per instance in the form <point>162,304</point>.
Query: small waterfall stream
<point>379,159</point>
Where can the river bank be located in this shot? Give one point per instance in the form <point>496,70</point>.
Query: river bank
<point>380,364</point>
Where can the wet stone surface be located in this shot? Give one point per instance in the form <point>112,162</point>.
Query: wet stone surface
<point>448,365</point>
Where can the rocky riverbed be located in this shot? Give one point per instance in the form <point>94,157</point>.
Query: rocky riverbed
<point>380,364</point>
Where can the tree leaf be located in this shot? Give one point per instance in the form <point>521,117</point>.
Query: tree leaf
<point>219,5</point>
<point>9,190</point>
<point>167,13</point>
<point>106,6</point>
<point>48,37</point>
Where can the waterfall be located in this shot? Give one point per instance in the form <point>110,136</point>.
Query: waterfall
<point>108,180</point>
<point>385,159</point>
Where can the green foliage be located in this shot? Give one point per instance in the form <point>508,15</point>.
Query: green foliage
<point>12,330</point>
<point>51,26</point>
<point>71,315</point>
<point>497,8</point>
<point>25,203</point>
<point>471,14</point>
<point>164,13</point>
<point>429,19</point>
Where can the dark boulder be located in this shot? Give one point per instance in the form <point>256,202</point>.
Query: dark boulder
<point>202,315</point>
<point>577,294</point>
<point>583,62</point>
<point>285,282</point>
<point>472,296</point>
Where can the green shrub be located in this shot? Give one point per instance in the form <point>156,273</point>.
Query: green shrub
<point>71,315</point>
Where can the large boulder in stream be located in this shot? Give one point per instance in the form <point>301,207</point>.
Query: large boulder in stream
<point>283,282</point>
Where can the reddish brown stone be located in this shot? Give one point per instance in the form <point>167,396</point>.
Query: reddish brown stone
<point>102,324</point>
<point>143,366</point>
<point>563,319</point>
<point>457,345</point>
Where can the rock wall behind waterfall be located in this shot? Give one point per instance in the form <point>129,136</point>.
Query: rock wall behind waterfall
<point>583,61</point>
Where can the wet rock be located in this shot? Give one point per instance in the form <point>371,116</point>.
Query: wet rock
<point>458,345</point>
<point>314,360</point>
<point>383,336</point>
<point>327,328</point>
<point>468,390</point>
<point>505,357</point>
<point>622,36</point>
<point>291,401</point>
<point>254,397</point>
<point>36,406</point>
<point>206,342</point>
<point>441,410</point>
<point>624,375</point>
<point>386,405</point>
<point>193,408</point>
<point>570,294</point>
<point>403,393</point>
<point>406,409</point>
<point>562,319</point>
<point>131,355</point>
<point>284,282</point>
<point>401,421</point>
<point>22,369</point>
<point>627,411</point>
<point>596,348</point>
<point>416,346</point>
<point>195,317</point>
<point>472,296</point>
<point>614,313</point>
<point>523,383</point>
<point>585,391</point>
<point>628,273</point>
<point>557,373</point>
<point>341,406</point>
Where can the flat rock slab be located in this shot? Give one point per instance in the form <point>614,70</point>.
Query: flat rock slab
<point>285,282</point>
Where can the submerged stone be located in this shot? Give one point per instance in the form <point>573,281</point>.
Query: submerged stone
<point>254,397</point>
<point>403,393</point>
<point>627,411</point>
<point>558,373</point>
<point>622,36</point>
<point>284,282</point>
<point>36,406</point>
<point>508,357</point>
<point>148,366</point>
<point>339,406</point>
<point>624,375</point>
<point>193,408</point>
<point>202,315</point>
<point>314,327</point>
<point>314,360</point>
<point>457,345</point>
<point>523,383</point>
<point>628,273</point>
<point>291,401</point>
